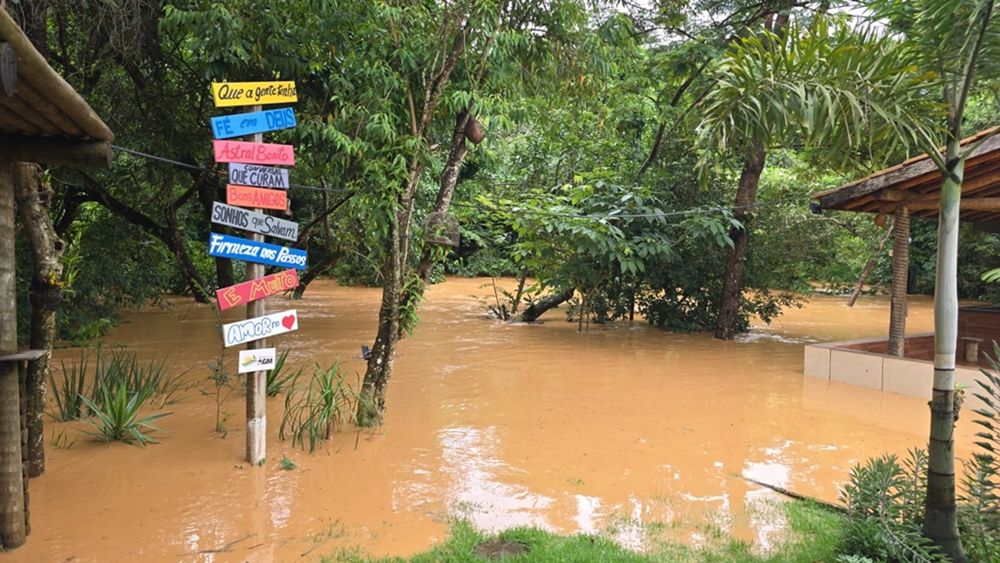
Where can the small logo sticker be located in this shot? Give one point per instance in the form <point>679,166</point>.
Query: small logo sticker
<point>256,360</point>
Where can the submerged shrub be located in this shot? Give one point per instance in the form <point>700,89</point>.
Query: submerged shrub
<point>279,377</point>
<point>117,416</point>
<point>122,367</point>
<point>68,393</point>
<point>314,409</point>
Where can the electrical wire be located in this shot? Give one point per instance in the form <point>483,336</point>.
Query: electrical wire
<point>180,164</point>
<point>516,209</point>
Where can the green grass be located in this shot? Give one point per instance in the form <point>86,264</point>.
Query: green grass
<point>815,534</point>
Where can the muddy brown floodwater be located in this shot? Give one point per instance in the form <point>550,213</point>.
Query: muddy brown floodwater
<point>626,430</point>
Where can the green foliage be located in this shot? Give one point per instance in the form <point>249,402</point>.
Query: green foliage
<point>61,441</point>
<point>814,534</point>
<point>68,393</point>
<point>280,377</point>
<point>223,386</point>
<point>122,368</point>
<point>287,464</point>
<point>828,84</point>
<point>116,368</point>
<point>885,503</point>
<point>315,407</point>
<point>980,511</point>
<point>117,414</point>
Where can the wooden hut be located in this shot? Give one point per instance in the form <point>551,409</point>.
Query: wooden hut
<point>44,120</point>
<point>913,189</point>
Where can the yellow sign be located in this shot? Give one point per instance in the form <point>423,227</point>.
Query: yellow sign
<point>230,94</point>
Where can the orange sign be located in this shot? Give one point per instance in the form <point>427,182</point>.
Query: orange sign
<point>244,196</point>
<point>252,290</point>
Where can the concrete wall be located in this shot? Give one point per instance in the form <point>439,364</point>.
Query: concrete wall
<point>848,362</point>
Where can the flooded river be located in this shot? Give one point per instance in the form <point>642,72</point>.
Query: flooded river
<point>624,430</point>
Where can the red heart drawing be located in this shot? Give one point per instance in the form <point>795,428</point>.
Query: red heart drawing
<point>288,322</point>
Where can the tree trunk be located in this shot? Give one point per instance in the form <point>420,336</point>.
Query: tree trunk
<point>867,270</point>
<point>941,517</point>
<point>168,234</point>
<point>900,277</point>
<point>174,240</point>
<point>732,278</point>
<point>537,309</point>
<point>34,199</point>
<point>12,514</point>
<point>449,179</point>
<point>371,401</point>
<point>519,294</point>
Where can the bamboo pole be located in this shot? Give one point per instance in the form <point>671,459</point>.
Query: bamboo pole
<point>257,380</point>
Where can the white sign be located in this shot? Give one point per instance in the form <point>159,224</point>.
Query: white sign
<point>258,175</point>
<point>241,332</point>
<point>254,222</point>
<point>257,360</point>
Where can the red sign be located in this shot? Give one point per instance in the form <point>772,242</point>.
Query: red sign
<point>250,291</point>
<point>253,153</point>
<point>256,197</point>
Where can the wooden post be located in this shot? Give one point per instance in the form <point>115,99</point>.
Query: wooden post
<point>900,276</point>
<point>257,380</point>
<point>12,524</point>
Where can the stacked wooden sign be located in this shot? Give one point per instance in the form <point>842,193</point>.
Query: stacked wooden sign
<point>255,183</point>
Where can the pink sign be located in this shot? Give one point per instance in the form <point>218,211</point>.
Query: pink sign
<point>250,291</point>
<point>253,153</point>
<point>256,197</point>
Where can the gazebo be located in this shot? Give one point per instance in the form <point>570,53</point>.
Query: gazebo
<point>42,119</point>
<point>901,363</point>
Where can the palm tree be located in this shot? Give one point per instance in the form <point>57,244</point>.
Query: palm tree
<point>828,86</point>
<point>958,41</point>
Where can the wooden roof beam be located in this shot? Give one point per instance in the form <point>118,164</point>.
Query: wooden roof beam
<point>55,150</point>
<point>33,68</point>
<point>972,204</point>
<point>900,176</point>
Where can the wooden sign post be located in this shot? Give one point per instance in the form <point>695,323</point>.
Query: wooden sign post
<point>245,156</point>
<point>256,380</point>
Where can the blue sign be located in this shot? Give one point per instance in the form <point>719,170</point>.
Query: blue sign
<point>240,124</point>
<point>236,248</point>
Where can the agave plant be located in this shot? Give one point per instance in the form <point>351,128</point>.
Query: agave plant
<point>68,393</point>
<point>117,418</point>
<point>279,378</point>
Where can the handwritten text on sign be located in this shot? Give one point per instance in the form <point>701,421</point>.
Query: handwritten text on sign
<point>236,248</point>
<point>253,153</point>
<point>261,359</point>
<point>237,125</point>
<point>252,290</point>
<point>229,94</point>
<point>254,222</point>
<point>256,197</point>
<point>256,328</point>
<point>257,175</point>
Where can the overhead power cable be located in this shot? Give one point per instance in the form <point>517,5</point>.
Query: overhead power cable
<point>514,209</point>
<point>188,166</point>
